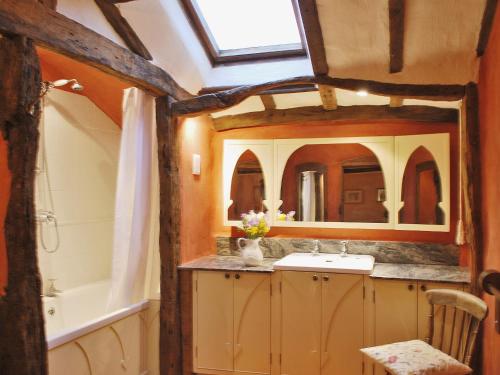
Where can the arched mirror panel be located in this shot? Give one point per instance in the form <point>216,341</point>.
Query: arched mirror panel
<point>421,191</point>
<point>334,183</point>
<point>247,187</point>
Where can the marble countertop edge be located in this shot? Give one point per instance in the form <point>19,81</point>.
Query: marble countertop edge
<point>392,271</point>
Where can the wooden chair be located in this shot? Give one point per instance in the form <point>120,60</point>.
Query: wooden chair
<point>454,321</point>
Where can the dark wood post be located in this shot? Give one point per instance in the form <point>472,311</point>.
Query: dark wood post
<point>471,181</point>
<point>168,160</point>
<point>23,348</point>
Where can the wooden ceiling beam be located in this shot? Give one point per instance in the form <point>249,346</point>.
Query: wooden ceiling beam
<point>486,26</point>
<point>395,101</point>
<point>314,36</point>
<point>69,38</point>
<point>396,32</point>
<point>268,102</point>
<point>225,99</point>
<point>289,89</point>
<point>51,4</point>
<point>328,97</point>
<point>123,28</point>
<point>342,113</point>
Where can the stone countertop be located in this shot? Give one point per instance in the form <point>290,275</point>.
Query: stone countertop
<point>422,272</point>
<point>226,263</point>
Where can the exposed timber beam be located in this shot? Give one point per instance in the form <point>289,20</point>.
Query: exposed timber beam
<point>123,28</point>
<point>314,36</point>
<point>395,101</point>
<point>74,40</point>
<point>471,181</point>
<point>396,32</point>
<point>268,102</point>
<point>342,113</point>
<point>169,242</point>
<point>52,4</point>
<point>486,26</point>
<point>23,348</point>
<point>289,89</point>
<point>225,99</point>
<point>328,97</point>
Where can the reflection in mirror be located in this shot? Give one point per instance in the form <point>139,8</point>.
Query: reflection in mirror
<point>421,190</point>
<point>247,186</point>
<point>336,183</point>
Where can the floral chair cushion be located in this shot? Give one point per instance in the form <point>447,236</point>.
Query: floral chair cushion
<point>415,357</point>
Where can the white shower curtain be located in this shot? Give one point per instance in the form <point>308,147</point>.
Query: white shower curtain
<point>308,196</point>
<point>137,199</point>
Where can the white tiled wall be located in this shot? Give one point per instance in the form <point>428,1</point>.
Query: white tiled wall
<point>77,182</point>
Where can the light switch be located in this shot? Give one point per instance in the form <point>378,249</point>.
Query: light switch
<point>196,164</point>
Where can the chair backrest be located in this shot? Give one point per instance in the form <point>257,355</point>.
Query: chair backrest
<point>454,322</point>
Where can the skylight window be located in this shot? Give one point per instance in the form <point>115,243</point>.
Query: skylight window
<point>242,30</point>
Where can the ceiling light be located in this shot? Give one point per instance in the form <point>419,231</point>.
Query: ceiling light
<point>362,93</point>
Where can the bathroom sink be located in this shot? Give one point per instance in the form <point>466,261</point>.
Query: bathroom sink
<point>359,264</point>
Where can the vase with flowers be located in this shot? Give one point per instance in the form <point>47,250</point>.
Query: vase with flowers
<point>255,226</point>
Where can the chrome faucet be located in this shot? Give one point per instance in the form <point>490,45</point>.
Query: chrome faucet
<point>315,250</point>
<point>343,251</point>
<point>52,291</point>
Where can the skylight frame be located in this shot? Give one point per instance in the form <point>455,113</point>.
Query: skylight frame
<point>219,57</point>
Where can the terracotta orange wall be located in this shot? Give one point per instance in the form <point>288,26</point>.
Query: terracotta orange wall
<point>338,129</point>
<point>4,199</point>
<point>197,205</point>
<point>489,106</point>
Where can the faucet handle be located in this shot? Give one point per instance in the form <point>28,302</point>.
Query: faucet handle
<point>316,247</point>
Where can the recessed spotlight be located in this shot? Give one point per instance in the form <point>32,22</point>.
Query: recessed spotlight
<point>362,93</point>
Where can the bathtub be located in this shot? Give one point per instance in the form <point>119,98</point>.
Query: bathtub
<point>83,338</point>
<point>78,311</point>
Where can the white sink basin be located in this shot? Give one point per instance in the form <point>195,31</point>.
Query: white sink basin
<point>359,264</point>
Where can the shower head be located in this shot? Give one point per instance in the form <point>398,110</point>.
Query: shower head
<point>77,86</point>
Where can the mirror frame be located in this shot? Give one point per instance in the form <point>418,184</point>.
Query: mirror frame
<point>439,147</point>
<point>233,149</point>
<point>382,148</point>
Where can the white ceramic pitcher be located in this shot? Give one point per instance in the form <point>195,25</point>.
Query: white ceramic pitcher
<point>251,252</point>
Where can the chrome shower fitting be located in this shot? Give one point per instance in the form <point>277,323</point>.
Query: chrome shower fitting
<point>47,217</point>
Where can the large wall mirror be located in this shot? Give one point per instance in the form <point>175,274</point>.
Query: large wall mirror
<point>334,183</point>
<point>400,182</point>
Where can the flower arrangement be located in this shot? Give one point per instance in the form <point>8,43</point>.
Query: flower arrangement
<point>254,225</point>
<point>281,216</point>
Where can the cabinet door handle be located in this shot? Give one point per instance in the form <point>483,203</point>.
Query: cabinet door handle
<point>227,276</point>
<point>237,276</point>
<point>315,277</point>
<point>326,278</point>
<point>423,288</point>
<point>410,287</point>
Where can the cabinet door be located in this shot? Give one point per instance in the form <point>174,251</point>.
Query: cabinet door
<point>424,310</point>
<point>395,311</point>
<point>213,321</point>
<point>300,323</point>
<point>342,324</point>
<point>252,323</point>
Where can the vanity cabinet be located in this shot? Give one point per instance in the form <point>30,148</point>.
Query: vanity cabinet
<point>232,322</point>
<point>321,323</point>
